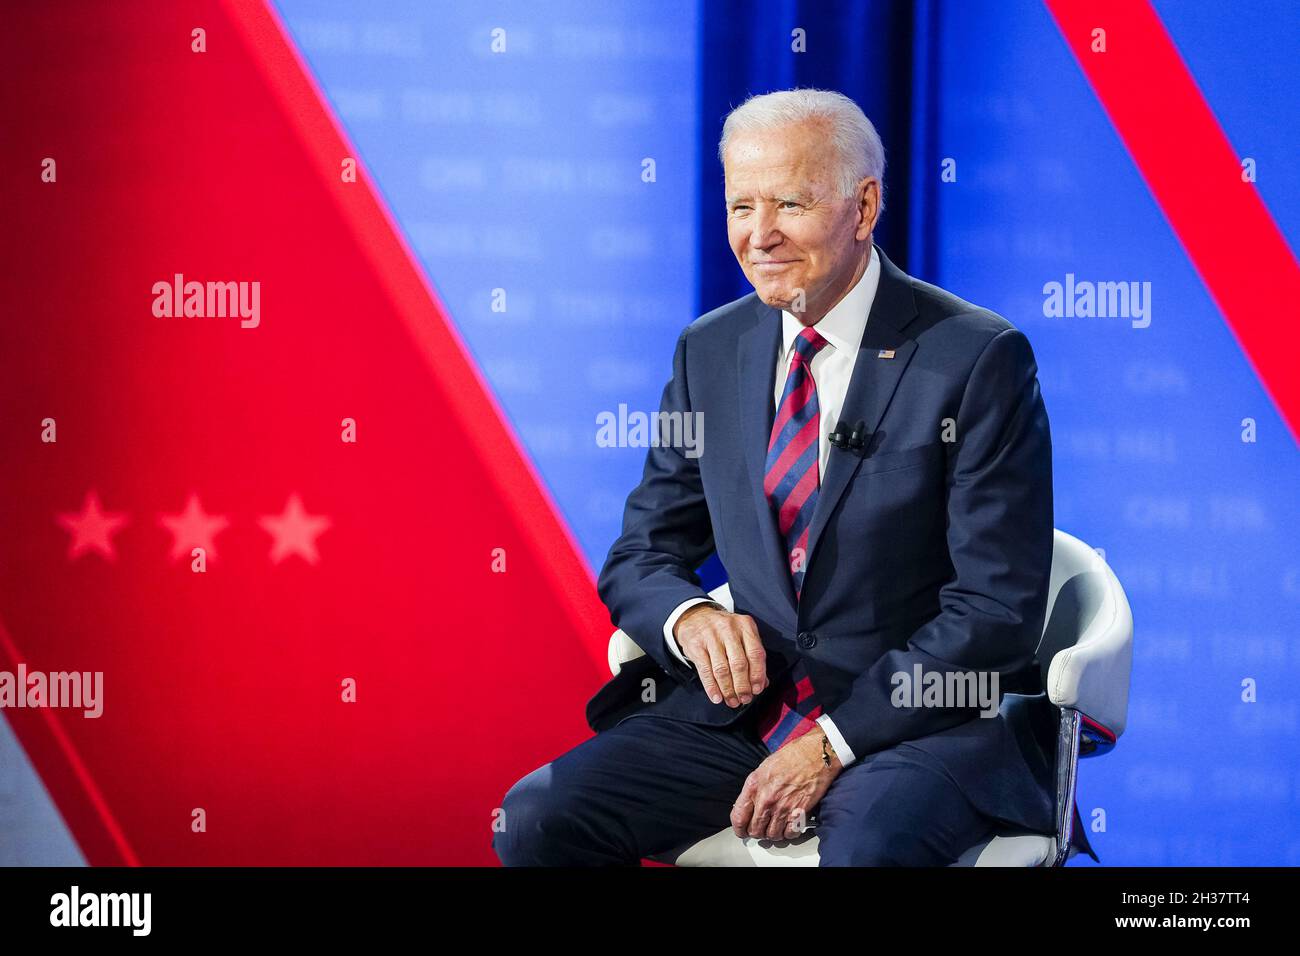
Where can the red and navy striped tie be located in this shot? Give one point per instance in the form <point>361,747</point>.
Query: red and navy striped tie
<point>791,482</point>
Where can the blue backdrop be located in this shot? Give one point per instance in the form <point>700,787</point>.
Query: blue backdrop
<point>1149,462</point>
<point>525,170</point>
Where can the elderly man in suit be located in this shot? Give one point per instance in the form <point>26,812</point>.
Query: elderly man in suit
<point>877,482</point>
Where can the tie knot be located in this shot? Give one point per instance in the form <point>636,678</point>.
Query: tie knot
<point>808,343</point>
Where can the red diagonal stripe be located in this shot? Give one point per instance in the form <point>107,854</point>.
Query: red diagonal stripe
<point>519,486</point>
<point>77,785</point>
<point>1195,176</point>
<point>794,403</point>
<point>790,456</point>
<point>197,722</point>
<point>798,495</point>
<point>803,690</point>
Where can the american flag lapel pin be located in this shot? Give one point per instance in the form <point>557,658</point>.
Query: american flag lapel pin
<point>885,353</point>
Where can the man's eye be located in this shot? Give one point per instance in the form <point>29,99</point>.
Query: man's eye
<point>790,203</point>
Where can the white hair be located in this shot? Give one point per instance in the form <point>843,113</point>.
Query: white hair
<point>849,133</point>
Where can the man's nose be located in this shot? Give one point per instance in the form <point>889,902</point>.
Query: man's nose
<point>763,232</point>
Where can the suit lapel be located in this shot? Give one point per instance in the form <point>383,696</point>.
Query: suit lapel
<point>758,349</point>
<point>871,387</point>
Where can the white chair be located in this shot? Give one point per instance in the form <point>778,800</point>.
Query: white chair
<point>1088,639</point>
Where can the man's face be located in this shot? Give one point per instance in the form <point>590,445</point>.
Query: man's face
<point>786,222</point>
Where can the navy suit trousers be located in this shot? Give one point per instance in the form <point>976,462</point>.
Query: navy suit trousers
<point>652,784</point>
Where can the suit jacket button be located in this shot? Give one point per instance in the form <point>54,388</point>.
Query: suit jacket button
<point>808,640</point>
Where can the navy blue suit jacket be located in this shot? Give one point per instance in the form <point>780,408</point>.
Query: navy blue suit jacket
<point>921,550</point>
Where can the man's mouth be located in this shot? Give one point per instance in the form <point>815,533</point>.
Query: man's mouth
<point>773,265</point>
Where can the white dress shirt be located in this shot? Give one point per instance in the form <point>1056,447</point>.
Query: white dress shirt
<point>832,367</point>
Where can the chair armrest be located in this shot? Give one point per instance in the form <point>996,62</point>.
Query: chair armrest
<point>1092,677</point>
<point>623,649</point>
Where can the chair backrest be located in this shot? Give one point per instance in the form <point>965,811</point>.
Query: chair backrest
<point>1086,651</point>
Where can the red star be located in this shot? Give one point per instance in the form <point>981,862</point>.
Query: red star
<point>193,528</point>
<point>294,531</point>
<point>92,530</point>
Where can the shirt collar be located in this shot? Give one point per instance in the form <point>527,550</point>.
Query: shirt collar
<point>842,326</point>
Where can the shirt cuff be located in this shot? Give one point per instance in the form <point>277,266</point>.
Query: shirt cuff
<point>837,740</point>
<point>672,622</point>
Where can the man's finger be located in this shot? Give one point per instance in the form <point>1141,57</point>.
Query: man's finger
<point>704,667</point>
<point>756,654</point>
<point>738,661</point>
<point>720,667</point>
<point>743,807</point>
<point>778,823</point>
<point>761,814</point>
<point>798,825</point>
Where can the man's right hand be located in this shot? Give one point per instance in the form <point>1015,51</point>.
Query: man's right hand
<point>726,651</point>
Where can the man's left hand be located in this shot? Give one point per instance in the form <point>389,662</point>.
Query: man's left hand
<point>779,795</point>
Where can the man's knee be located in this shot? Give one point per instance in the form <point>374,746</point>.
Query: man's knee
<point>930,829</point>
<point>540,824</point>
<point>520,822</point>
<point>880,846</point>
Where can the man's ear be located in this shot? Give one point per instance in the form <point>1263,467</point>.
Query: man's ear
<point>868,207</point>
